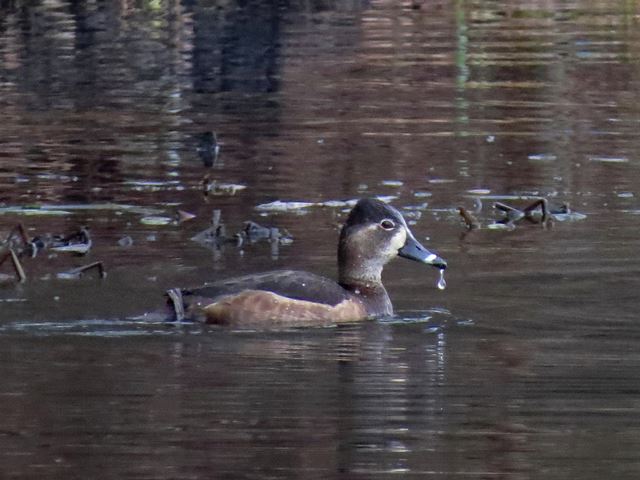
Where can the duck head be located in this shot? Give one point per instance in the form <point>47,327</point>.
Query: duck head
<point>374,234</point>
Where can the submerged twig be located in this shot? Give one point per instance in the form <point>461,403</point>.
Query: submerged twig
<point>512,213</point>
<point>175,297</point>
<point>18,240</point>
<point>252,232</point>
<point>537,212</point>
<point>76,273</point>
<point>22,233</point>
<point>542,203</point>
<point>215,218</point>
<point>470,221</point>
<point>17,266</point>
<point>208,148</point>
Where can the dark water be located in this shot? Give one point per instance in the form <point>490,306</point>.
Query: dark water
<point>526,366</point>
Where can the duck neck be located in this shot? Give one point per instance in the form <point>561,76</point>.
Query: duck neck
<point>369,290</point>
<point>358,271</point>
<point>365,279</point>
<point>361,278</point>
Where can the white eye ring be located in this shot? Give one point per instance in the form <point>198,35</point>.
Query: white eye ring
<point>387,224</point>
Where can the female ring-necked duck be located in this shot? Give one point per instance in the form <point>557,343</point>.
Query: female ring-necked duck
<point>373,234</point>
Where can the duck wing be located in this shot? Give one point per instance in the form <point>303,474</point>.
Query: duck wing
<point>297,285</point>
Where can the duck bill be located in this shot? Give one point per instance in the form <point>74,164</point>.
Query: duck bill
<point>413,250</point>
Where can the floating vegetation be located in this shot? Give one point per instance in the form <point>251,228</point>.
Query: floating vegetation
<point>339,203</point>
<point>631,211</point>
<point>79,248</point>
<point>501,226</point>
<point>441,180</point>
<point>418,207</point>
<point>17,244</point>
<point>57,177</point>
<point>280,206</point>
<point>567,215</point>
<point>216,235</point>
<point>34,211</point>
<point>155,185</point>
<point>157,221</point>
<point>211,235</point>
<point>606,159</point>
<point>254,231</point>
<point>125,241</point>
<point>516,197</point>
<point>537,212</point>
<point>180,216</point>
<point>116,207</point>
<point>413,212</point>
<point>542,157</point>
<point>213,187</point>
<point>78,242</point>
<point>392,183</point>
<point>69,209</point>
<point>420,194</point>
<point>386,198</point>
<point>151,183</point>
<point>479,191</point>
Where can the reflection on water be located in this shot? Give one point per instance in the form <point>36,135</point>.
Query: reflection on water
<point>525,366</point>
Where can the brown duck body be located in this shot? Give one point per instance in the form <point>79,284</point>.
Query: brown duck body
<point>285,297</point>
<point>373,234</point>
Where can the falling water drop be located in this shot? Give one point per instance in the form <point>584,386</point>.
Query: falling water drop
<point>442,284</point>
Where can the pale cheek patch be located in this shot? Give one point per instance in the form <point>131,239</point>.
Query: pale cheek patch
<point>399,239</point>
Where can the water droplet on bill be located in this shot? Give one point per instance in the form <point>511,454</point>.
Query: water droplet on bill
<point>442,284</point>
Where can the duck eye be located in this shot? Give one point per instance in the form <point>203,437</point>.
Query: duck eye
<point>387,224</point>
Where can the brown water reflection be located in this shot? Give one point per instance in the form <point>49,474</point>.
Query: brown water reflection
<point>525,367</point>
